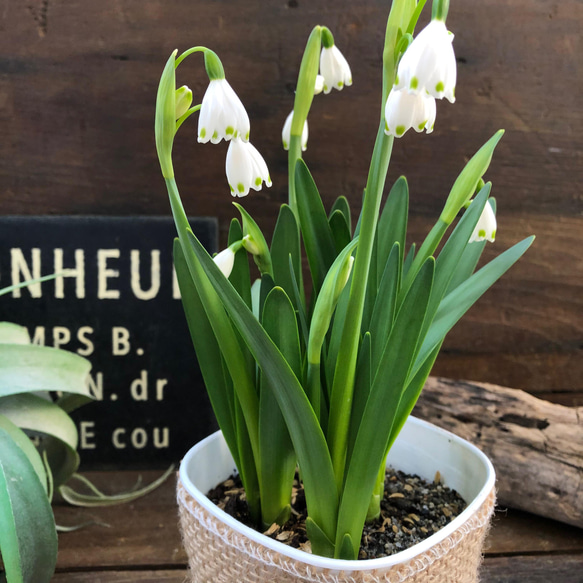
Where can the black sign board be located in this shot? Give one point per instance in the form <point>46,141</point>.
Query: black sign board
<point>119,306</point>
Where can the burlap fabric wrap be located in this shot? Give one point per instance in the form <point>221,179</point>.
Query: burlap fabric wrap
<point>219,554</point>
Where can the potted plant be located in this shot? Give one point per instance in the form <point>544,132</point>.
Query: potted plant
<point>327,382</point>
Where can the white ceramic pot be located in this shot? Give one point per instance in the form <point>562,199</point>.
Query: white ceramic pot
<point>222,550</point>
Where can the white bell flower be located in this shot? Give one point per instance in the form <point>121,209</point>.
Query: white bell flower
<point>405,110</point>
<point>286,133</point>
<point>319,86</point>
<point>428,65</point>
<point>486,227</point>
<point>225,261</point>
<point>334,68</point>
<point>245,168</point>
<point>222,115</point>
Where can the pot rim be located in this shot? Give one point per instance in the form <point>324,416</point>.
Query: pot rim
<point>345,564</point>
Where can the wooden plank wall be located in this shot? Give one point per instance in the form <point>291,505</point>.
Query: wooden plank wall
<point>77,89</point>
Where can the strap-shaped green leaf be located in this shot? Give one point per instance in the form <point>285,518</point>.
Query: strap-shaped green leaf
<point>285,244</point>
<point>409,259</point>
<point>23,441</point>
<point>340,230</point>
<point>37,415</point>
<point>341,204</point>
<point>318,238</point>
<point>208,353</point>
<point>461,299</point>
<point>31,368</point>
<point>307,437</point>
<point>377,420</point>
<point>277,456</point>
<point>385,306</point>
<point>392,227</point>
<point>28,538</point>
<point>240,276</point>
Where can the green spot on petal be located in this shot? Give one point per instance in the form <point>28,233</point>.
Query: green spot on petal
<point>247,136</point>
<point>414,83</point>
<point>215,135</point>
<point>340,84</point>
<point>285,145</point>
<point>481,233</point>
<point>397,80</point>
<point>400,130</point>
<point>494,234</point>
<point>422,125</point>
<point>387,127</point>
<point>439,87</point>
<point>230,130</point>
<point>202,133</point>
<point>232,189</point>
<point>258,181</point>
<point>240,187</point>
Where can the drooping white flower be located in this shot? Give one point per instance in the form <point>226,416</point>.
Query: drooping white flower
<point>286,133</point>
<point>486,227</point>
<point>319,86</point>
<point>222,115</point>
<point>245,168</point>
<point>225,261</point>
<point>334,68</point>
<point>428,65</point>
<point>405,110</point>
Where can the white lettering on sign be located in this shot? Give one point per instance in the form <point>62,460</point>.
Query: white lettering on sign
<point>87,434</point>
<point>139,387</point>
<point>96,385</point>
<point>104,273</point>
<point>139,438</point>
<point>20,267</point>
<point>154,275</point>
<point>82,337</point>
<point>78,273</point>
<point>120,341</point>
<point>61,336</point>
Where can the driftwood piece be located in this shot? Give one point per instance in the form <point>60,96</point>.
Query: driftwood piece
<point>535,446</point>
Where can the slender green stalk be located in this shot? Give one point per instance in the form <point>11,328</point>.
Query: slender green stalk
<point>228,342</point>
<point>343,384</point>
<point>294,154</point>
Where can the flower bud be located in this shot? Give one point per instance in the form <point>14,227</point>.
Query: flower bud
<point>183,101</point>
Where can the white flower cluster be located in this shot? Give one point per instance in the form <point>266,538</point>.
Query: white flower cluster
<point>334,73</point>
<point>426,72</point>
<point>223,117</point>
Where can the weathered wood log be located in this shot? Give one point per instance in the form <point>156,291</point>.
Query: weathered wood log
<point>535,446</point>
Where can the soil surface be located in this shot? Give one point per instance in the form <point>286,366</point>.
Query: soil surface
<point>412,509</point>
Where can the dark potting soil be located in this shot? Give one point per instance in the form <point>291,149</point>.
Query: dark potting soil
<point>412,509</point>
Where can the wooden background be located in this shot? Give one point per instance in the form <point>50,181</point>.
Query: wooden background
<point>77,89</point>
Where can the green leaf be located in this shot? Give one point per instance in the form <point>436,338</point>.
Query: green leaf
<point>461,299</point>
<point>37,415</point>
<point>318,238</point>
<point>277,456</point>
<point>13,334</point>
<point>346,547</point>
<point>409,260</point>
<point>31,368</point>
<point>340,230</point>
<point>285,244</point>
<point>261,254</point>
<point>392,227</point>
<point>377,420</point>
<point>385,306</point>
<point>240,276</point>
<point>25,444</point>
<point>362,384</point>
<point>308,439</point>
<point>321,544</point>
<point>208,353</point>
<point>28,538</point>
<point>341,204</point>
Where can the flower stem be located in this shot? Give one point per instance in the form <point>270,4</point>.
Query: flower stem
<point>294,154</point>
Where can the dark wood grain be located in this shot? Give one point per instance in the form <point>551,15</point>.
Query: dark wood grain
<point>77,87</point>
<point>538,569</point>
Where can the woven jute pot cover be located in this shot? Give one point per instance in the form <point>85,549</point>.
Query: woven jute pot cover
<point>219,554</point>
